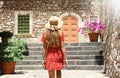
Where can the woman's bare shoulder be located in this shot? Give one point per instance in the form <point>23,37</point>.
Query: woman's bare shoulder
<point>45,32</point>
<point>60,32</point>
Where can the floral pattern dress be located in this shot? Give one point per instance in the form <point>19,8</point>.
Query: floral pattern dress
<point>54,56</point>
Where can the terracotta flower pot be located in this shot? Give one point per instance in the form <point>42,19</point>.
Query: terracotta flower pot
<point>93,36</point>
<point>7,67</point>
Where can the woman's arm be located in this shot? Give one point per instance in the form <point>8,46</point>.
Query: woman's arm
<point>64,53</point>
<point>64,50</point>
<point>44,52</point>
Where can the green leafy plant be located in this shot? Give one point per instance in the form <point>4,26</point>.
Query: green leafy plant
<point>13,50</point>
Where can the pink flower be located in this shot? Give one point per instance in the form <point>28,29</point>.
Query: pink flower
<point>92,27</point>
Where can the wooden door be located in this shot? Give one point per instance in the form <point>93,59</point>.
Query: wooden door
<point>70,29</point>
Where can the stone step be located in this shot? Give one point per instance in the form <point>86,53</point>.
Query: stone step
<point>83,48</point>
<point>70,62</point>
<point>33,57</point>
<point>70,44</point>
<point>70,67</point>
<point>89,44</point>
<point>69,57</point>
<point>84,57</point>
<point>28,67</point>
<point>81,52</point>
<point>84,67</point>
<point>85,62</point>
<point>29,62</point>
<point>81,56</point>
<point>85,52</point>
<point>69,48</point>
<point>65,46</point>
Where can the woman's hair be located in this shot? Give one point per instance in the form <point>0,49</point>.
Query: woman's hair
<point>53,38</point>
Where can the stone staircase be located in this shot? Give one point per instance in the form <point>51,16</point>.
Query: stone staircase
<point>81,56</point>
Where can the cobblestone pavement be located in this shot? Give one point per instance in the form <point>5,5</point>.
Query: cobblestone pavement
<point>65,74</point>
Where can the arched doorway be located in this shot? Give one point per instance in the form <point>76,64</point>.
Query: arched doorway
<point>70,29</point>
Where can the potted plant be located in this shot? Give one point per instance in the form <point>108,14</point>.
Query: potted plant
<point>93,29</point>
<point>10,53</point>
<point>5,35</point>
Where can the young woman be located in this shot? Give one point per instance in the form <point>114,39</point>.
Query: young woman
<point>54,53</point>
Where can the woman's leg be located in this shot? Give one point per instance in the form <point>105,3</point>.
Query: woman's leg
<point>51,73</point>
<point>58,73</point>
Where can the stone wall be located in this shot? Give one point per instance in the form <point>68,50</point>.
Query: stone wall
<point>42,10</point>
<point>112,41</point>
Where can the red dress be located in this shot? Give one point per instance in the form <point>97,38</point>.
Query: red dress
<point>54,56</point>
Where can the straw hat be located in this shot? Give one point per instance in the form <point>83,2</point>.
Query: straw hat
<point>54,20</point>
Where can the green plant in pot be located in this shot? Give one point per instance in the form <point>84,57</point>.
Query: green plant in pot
<point>10,53</point>
<point>5,35</point>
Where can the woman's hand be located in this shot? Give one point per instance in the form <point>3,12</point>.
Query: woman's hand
<point>43,63</point>
<point>65,62</point>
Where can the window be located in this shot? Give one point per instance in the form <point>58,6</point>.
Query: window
<point>92,17</point>
<point>23,23</point>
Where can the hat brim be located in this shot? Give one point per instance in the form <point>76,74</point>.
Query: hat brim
<point>60,23</point>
